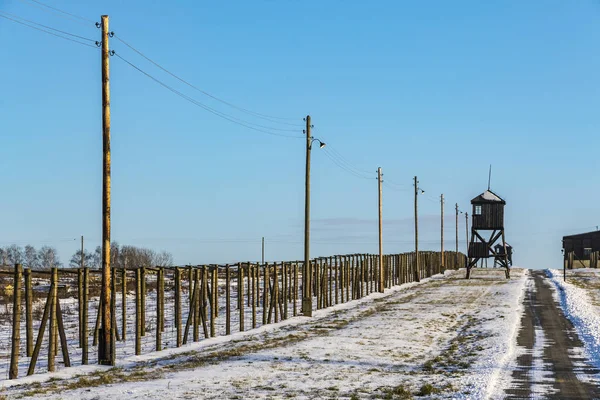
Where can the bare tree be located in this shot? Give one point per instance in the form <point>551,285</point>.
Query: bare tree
<point>96,259</point>
<point>14,254</point>
<point>3,259</point>
<point>31,257</point>
<point>163,259</point>
<point>49,257</point>
<point>75,261</point>
<point>115,251</point>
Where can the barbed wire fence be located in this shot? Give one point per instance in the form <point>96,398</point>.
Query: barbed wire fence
<point>50,319</point>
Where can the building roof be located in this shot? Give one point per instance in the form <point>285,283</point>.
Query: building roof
<point>488,197</point>
<point>582,235</point>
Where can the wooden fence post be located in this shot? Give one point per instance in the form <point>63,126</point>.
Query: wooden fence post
<point>84,322</point>
<point>63,337</point>
<point>284,297</point>
<point>276,291</point>
<point>40,336</point>
<point>53,325</point>
<point>295,294</point>
<point>138,311</point>
<point>215,291</point>
<point>178,306</point>
<point>266,307</point>
<point>161,289</point>
<point>254,269</point>
<point>124,304</point>
<point>227,300</point>
<point>213,302</point>
<point>241,295</point>
<point>113,306</point>
<point>204,304</point>
<point>196,305</point>
<point>143,301</point>
<point>80,303</point>
<point>29,313</point>
<point>13,372</point>
<point>159,305</point>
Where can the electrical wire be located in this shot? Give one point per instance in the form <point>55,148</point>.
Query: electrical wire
<point>57,10</point>
<point>402,185</point>
<point>394,188</point>
<point>340,165</point>
<point>347,166</point>
<point>47,27</point>
<point>49,32</point>
<point>344,160</point>
<point>258,115</point>
<point>207,108</point>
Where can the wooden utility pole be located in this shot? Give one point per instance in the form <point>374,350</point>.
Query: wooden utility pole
<point>82,259</point>
<point>381,272</point>
<point>442,231</point>
<point>104,352</point>
<point>263,250</point>
<point>416,271</point>
<point>456,254</point>
<point>307,271</point>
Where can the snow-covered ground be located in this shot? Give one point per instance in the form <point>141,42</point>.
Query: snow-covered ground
<point>579,297</point>
<point>445,336</point>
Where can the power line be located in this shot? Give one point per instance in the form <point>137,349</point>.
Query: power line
<point>394,188</point>
<point>48,27</point>
<point>402,185</point>
<point>58,10</point>
<point>235,120</point>
<point>347,166</point>
<point>49,32</point>
<point>259,115</point>
<point>336,162</point>
<point>344,159</point>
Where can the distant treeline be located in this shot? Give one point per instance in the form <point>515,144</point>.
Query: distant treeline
<point>47,257</point>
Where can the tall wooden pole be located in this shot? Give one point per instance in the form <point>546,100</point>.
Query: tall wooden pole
<point>417,264</point>
<point>456,254</point>
<point>263,250</point>
<point>104,353</point>
<point>307,272</point>
<point>442,232</point>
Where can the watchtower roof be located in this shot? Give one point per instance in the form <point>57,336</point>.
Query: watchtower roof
<point>488,197</point>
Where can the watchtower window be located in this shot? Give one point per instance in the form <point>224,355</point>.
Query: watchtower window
<point>477,210</point>
<point>587,251</point>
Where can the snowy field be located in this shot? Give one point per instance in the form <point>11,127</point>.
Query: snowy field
<point>444,337</point>
<point>579,297</point>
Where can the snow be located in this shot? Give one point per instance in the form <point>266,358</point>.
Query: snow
<point>494,367</point>
<point>490,196</point>
<point>581,306</point>
<point>454,334</point>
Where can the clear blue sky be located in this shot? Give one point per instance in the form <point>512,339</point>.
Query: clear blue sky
<point>436,89</point>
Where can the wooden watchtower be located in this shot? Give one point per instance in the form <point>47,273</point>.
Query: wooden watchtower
<point>487,219</point>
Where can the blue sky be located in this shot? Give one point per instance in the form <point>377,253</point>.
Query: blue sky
<point>436,89</point>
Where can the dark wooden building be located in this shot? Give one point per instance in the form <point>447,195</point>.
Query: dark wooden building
<point>580,248</point>
<point>488,219</point>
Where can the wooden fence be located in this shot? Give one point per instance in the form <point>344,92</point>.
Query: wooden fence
<point>163,307</point>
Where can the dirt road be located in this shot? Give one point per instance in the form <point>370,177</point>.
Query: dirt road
<point>549,367</point>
